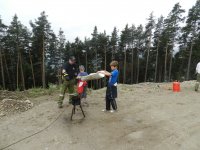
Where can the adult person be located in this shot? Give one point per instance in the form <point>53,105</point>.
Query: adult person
<point>198,76</point>
<point>69,74</point>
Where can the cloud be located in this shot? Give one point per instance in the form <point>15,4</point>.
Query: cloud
<point>78,17</point>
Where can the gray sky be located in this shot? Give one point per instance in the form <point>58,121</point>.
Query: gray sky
<point>78,17</point>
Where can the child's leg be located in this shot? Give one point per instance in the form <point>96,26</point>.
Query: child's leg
<point>108,98</point>
<point>107,103</point>
<point>113,103</point>
<point>114,95</point>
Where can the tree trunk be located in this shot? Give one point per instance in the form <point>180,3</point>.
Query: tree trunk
<point>156,68</point>
<point>96,69</point>
<point>33,76</point>
<point>43,64</point>
<point>124,77</point>
<point>18,71</point>
<point>105,66</point>
<point>132,66</point>
<point>13,73</point>
<point>112,57</point>
<point>138,67</point>
<point>86,63</point>
<point>165,71</point>
<point>147,63</point>
<point>189,62</point>
<point>6,65</point>
<point>22,73</point>
<point>170,65</point>
<point>2,70</point>
<point>160,74</point>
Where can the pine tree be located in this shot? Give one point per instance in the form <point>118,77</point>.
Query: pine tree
<point>139,35</point>
<point>2,32</point>
<point>114,42</point>
<point>61,49</point>
<point>148,35</point>
<point>41,34</point>
<point>190,32</point>
<point>17,34</point>
<point>94,46</point>
<point>125,41</point>
<point>173,27</point>
<point>157,36</point>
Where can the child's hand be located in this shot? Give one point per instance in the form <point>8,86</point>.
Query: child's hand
<point>101,72</point>
<point>78,77</point>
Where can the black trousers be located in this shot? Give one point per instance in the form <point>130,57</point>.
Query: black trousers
<point>111,94</point>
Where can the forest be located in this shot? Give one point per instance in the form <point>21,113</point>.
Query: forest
<point>165,49</point>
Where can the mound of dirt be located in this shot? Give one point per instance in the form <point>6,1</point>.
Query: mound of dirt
<point>17,95</point>
<point>10,106</point>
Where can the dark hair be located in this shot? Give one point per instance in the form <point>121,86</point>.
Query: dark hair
<point>72,58</point>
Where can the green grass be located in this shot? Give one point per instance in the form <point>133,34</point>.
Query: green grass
<point>35,92</point>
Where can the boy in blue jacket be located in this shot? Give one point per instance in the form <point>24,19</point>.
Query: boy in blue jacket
<point>111,91</point>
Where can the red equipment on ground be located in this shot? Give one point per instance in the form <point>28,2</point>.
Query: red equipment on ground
<point>176,86</point>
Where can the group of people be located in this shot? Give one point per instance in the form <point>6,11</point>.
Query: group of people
<point>71,73</point>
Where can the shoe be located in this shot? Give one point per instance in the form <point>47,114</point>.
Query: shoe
<point>104,110</point>
<point>112,111</point>
<point>60,106</point>
<point>85,104</point>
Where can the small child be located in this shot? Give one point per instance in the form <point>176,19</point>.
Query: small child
<point>83,95</point>
<point>111,91</point>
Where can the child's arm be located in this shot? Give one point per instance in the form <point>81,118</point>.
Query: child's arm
<point>105,72</point>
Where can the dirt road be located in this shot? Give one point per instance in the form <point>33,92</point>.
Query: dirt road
<point>150,117</point>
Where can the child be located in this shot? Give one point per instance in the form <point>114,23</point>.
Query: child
<point>84,84</point>
<point>111,92</point>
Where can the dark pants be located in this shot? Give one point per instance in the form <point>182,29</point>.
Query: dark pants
<point>197,82</point>
<point>111,94</point>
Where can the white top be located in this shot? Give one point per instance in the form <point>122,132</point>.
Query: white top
<point>92,76</point>
<point>198,68</point>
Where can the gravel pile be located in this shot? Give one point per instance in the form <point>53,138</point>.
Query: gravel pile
<point>10,106</point>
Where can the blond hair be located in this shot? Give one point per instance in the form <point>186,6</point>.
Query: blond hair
<point>114,63</point>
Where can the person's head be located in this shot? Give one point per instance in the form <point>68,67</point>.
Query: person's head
<point>81,68</point>
<point>114,65</point>
<point>72,59</point>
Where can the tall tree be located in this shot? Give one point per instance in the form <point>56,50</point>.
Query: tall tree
<point>174,19</point>
<point>114,42</point>
<point>2,31</point>
<point>157,34</point>
<point>133,44</point>
<point>61,49</point>
<point>190,32</point>
<point>17,36</point>
<point>41,34</point>
<point>125,40</point>
<point>148,34</point>
<point>94,46</point>
<point>139,47</point>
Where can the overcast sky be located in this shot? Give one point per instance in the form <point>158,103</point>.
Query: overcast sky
<point>78,17</point>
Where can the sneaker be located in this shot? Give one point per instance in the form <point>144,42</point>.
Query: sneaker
<point>85,104</point>
<point>112,111</point>
<point>60,106</point>
<point>104,110</point>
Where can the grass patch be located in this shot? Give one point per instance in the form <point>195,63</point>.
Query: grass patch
<point>35,92</point>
